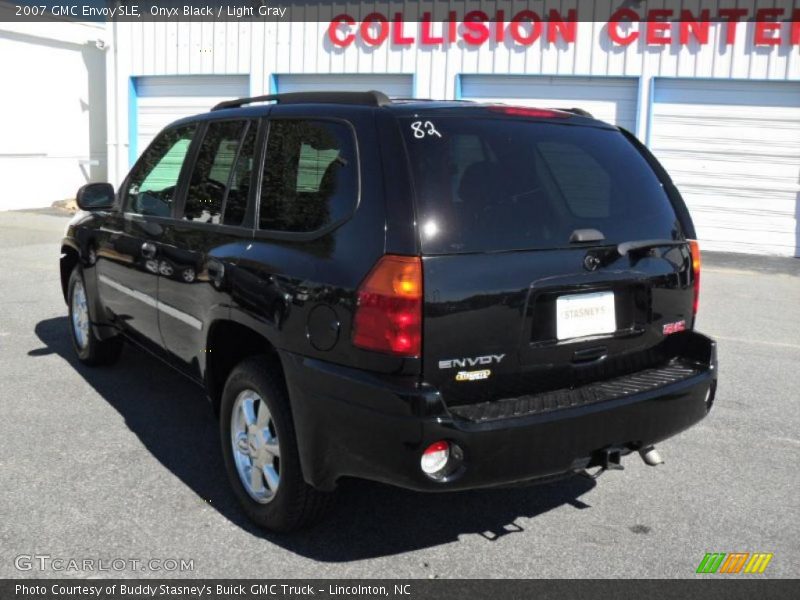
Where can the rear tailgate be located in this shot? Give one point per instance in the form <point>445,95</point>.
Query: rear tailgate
<point>529,284</point>
<point>491,320</point>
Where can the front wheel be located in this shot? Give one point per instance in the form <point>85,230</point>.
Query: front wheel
<point>259,448</point>
<point>90,349</point>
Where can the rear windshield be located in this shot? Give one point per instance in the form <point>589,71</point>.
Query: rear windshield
<point>495,184</point>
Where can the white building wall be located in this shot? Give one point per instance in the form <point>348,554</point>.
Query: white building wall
<point>262,49</point>
<point>52,111</point>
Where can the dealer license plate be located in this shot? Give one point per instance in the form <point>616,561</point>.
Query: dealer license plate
<point>579,315</point>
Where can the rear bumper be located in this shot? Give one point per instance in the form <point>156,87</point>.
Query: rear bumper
<point>353,423</point>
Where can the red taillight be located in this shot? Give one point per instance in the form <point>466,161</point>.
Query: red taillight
<point>694,247</point>
<point>388,317</point>
<point>519,111</point>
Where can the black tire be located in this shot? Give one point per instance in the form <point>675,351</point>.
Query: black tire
<point>93,351</point>
<point>296,504</point>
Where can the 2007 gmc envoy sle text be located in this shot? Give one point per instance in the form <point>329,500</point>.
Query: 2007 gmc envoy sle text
<point>435,295</point>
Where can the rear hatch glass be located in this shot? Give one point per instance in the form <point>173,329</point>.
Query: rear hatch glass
<point>497,184</point>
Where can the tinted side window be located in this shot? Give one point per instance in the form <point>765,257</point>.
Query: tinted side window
<point>210,180</point>
<point>151,186</point>
<point>310,175</point>
<point>239,189</point>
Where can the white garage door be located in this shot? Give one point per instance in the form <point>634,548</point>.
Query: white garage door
<point>611,99</point>
<point>162,100</point>
<point>394,86</point>
<point>733,149</point>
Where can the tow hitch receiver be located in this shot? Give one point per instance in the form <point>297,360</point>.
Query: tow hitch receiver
<point>610,459</point>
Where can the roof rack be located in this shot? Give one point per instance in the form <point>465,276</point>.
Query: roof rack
<point>423,100</point>
<point>371,98</point>
<point>410,99</point>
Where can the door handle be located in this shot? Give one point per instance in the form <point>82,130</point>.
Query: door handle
<point>590,355</point>
<point>148,250</point>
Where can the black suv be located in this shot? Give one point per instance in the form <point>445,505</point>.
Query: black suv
<point>436,295</point>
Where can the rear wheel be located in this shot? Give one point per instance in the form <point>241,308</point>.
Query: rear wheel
<point>90,349</point>
<point>260,451</point>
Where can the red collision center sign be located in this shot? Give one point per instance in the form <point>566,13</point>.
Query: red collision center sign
<point>658,27</point>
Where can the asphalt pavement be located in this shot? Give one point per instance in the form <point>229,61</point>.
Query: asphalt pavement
<point>124,463</point>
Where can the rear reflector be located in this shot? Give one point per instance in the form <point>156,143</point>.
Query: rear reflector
<point>434,458</point>
<point>694,247</point>
<point>388,317</point>
<point>519,111</point>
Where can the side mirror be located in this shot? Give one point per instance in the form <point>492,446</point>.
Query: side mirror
<point>95,196</point>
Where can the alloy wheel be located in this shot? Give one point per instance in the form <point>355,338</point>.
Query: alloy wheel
<point>256,451</point>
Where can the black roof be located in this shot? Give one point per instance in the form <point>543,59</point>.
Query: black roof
<point>254,106</point>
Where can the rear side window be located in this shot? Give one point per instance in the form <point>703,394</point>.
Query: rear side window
<point>310,175</point>
<point>220,180</point>
<point>494,184</point>
<point>151,185</point>
<point>241,179</point>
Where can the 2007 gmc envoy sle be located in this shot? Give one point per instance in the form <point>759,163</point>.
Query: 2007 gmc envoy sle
<point>436,295</point>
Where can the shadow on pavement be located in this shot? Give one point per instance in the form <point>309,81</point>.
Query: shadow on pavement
<point>171,418</point>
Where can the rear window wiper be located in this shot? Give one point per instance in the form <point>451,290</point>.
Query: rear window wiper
<point>634,246</point>
<point>593,235</point>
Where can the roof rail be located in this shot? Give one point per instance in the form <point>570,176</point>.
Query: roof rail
<point>410,99</point>
<point>578,111</point>
<point>371,98</point>
<point>422,100</point>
